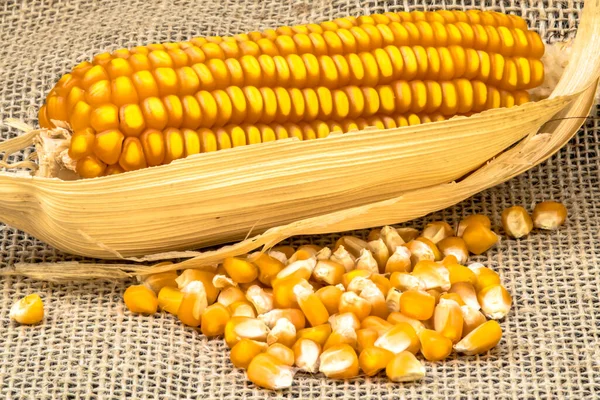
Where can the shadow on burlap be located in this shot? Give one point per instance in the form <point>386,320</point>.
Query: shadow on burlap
<point>89,346</point>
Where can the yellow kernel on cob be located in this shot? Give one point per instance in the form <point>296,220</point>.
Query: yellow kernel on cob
<point>28,310</point>
<point>140,299</point>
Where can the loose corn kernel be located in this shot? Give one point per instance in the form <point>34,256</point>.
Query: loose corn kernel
<point>206,277</point>
<point>365,338</point>
<point>342,336</point>
<point>30,309</point>
<point>437,231</point>
<point>454,246</point>
<point>350,302</point>
<point>268,267</point>
<point>417,304</point>
<point>392,300</point>
<point>400,337</point>
<point>374,234</point>
<point>373,295</point>
<point>399,261</point>
<point>358,284</point>
<point>238,328</point>
<point>382,282</point>
<point>448,320</point>
<point>436,293</point>
<point>298,269</point>
<point>193,304</point>
<point>405,367</point>
<point>481,339</point>
<point>214,318</point>
<point>222,281</point>
<point>495,301</point>
<point>475,218</point>
<point>244,351</point>
<point>467,294</point>
<point>287,250</point>
<point>352,244</point>
<point>283,292</point>
<point>408,234</point>
<point>479,238</point>
<point>437,255</point>
<point>279,256</point>
<point>484,276</point>
<point>434,346</point>
<point>378,324</point>
<point>240,270</point>
<point>318,334</point>
<point>329,272</point>
<point>471,319</point>
<point>283,332</point>
<point>404,281</point>
<point>344,321</point>
<point>516,222</point>
<point>282,353</point>
<point>311,305</point>
<point>306,355</point>
<point>268,372</point>
<point>169,299</point>
<point>397,317</point>
<point>454,297</point>
<point>374,359</point>
<point>138,299</point>
<point>367,262</point>
<point>261,299</point>
<point>342,256</point>
<point>330,296</point>
<point>391,238</point>
<point>433,274</point>
<point>156,282</point>
<point>324,254</point>
<point>339,362</point>
<point>549,215</point>
<point>419,251</point>
<point>460,273</point>
<point>242,308</point>
<point>295,316</point>
<point>380,252</point>
<point>304,253</point>
<point>348,277</point>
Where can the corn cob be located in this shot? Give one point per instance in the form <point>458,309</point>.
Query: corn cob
<point>153,104</point>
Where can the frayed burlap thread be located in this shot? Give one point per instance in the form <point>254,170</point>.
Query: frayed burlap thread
<point>90,347</point>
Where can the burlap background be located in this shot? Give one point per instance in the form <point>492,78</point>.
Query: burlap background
<point>89,346</point>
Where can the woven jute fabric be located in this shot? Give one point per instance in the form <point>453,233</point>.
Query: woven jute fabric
<point>90,346</point>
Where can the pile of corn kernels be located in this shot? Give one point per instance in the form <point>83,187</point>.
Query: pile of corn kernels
<point>359,308</point>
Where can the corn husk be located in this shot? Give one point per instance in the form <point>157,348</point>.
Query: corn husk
<point>262,194</point>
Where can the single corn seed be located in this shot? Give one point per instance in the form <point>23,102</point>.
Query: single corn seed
<point>268,267</point>
<point>454,246</point>
<point>466,292</point>
<point>169,299</point>
<point>417,304</point>
<point>399,261</point>
<point>391,238</point>
<point>222,281</point>
<point>460,273</point>
<point>156,282</point>
<point>495,301</point>
<point>484,276</point>
<point>343,321</point>
<point>375,297</point>
<point>330,296</point>
<point>365,338</point>
<point>433,274</point>
<point>318,334</point>
<point>405,367</point>
<point>193,304</point>
<point>214,319</point>
<point>240,270</point>
<point>29,310</point>
<point>471,319</point>
<point>238,328</point>
<point>350,302</point>
<point>342,256</point>
<point>404,281</point>
<point>287,250</point>
<point>283,293</point>
<point>516,222</point>
<point>475,218</point>
<point>342,336</point>
<point>306,355</point>
<point>481,339</point>
<point>279,256</point>
<point>282,353</point>
<point>311,305</point>
<point>295,316</point>
<point>380,252</point>
<point>397,317</point>
<point>324,254</point>
<point>399,338</point>
<point>549,215</point>
<point>479,238</point>
<point>453,296</point>
<point>419,251</point>
<point>381,282</point>
<point>436,293</point>
<point>352,244</point>
<point>367,262</point>
<point>437,255</point>
<point>261,299</point>
<point>242,308</point>
<point>299,269</point>
<point>434,346</point>
<point>329,272</point>
<point>268,372</point>
<point>206,277</point>
<point>348,277</point>
<point>138,299</point>
<point>374,359</point>
<point>408,234</point>
<point>392,300</point>
<point>244,351</point>
<point>284,332</point>
<point>339,362</point>
<point>437,231</point>
<point>448,320</point>
<point>374,234</point>
<point>304,253</point>
<point>378,324</point>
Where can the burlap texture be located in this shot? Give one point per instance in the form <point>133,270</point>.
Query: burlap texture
<point>89,346</point>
